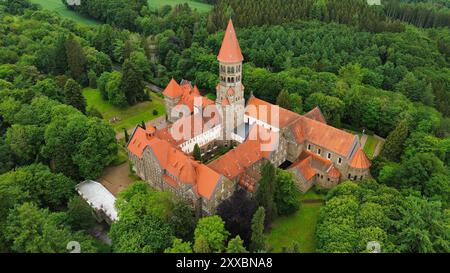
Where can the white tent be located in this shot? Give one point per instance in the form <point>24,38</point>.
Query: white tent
<point>98,197</point>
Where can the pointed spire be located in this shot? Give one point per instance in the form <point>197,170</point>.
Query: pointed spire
<point>230,52</point>
<point>173,89</point>
<point>360,160</point>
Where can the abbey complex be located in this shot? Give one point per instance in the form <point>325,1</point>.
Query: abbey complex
<point>251,132</point>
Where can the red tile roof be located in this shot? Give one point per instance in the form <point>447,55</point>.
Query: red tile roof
<point>309,127</point>
<point>270,113</point>
<point>187,95</point>
<point>305,169</point>
<point>316,114</point>
<point>175,163</point>
<point>189,127</point>
<point>236,161</point>
<point>334,172</point>
<point>326,136</point>
<point>360,160</point>
<point>230,52</point>
<point>308,163</point>
<point>173,89</point>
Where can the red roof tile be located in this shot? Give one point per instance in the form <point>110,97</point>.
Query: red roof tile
<point>360,160</point>
<point>316,114</point>
<point>173,89</point>
<point>236,161</point>
<point>175,163</point>
<point>230,52</point>
<point>305,169</point>
<point>334,172</point>
<point>270,113</point>
<point>326,136</point>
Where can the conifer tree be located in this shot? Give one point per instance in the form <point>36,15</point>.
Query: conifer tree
<point>257,240</point>
<point>73,95</point>
<point>132,83</point>
<point>127,137</point>
<point>197,153</point>
<point>393,146</point>
<point>76,59</point>
<point>266,191</point>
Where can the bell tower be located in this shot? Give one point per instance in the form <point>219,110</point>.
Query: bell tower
<point>230,88</point>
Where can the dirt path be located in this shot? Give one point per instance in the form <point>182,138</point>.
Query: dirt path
<point>379,146</point>
<point>115,179</point>
<point>364,140</point>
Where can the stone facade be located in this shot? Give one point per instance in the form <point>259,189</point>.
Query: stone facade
<point>320,154</point>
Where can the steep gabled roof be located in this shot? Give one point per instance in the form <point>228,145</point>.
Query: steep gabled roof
<point>321,134</point>
<point>176,163</point>
<point>173,89</point>
<point>139,141</point>
<point>333,172</point>
<point>305,169</point>
<point>316,114</point>
<point>360,160</point>
<point>230,52</point>
<point>308,163</point>
<point>270,113</point>
<point>236,161</point>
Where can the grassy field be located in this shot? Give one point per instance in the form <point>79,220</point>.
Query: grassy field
<point>58,6</point>
<point>299,227</point>
<point>129,117</point>
<point>202,7</point>
<point>370,146</point>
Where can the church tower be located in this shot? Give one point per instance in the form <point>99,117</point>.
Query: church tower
<point>230,91</point>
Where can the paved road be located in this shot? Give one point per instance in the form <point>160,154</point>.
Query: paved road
<point>152,86</point>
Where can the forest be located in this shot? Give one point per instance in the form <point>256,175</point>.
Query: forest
<point>382,69</point>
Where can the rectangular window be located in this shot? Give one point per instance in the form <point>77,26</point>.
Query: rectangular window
<point>339,160</point>
<point>329,156</point>
<point>309,147</point>
<point>319,151</point>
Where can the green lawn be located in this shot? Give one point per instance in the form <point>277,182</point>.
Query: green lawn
<point>299,227</point>
<point>129,117</point>
<point>370,146</point>
<point>202,7</point>
<point>59,7</point>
